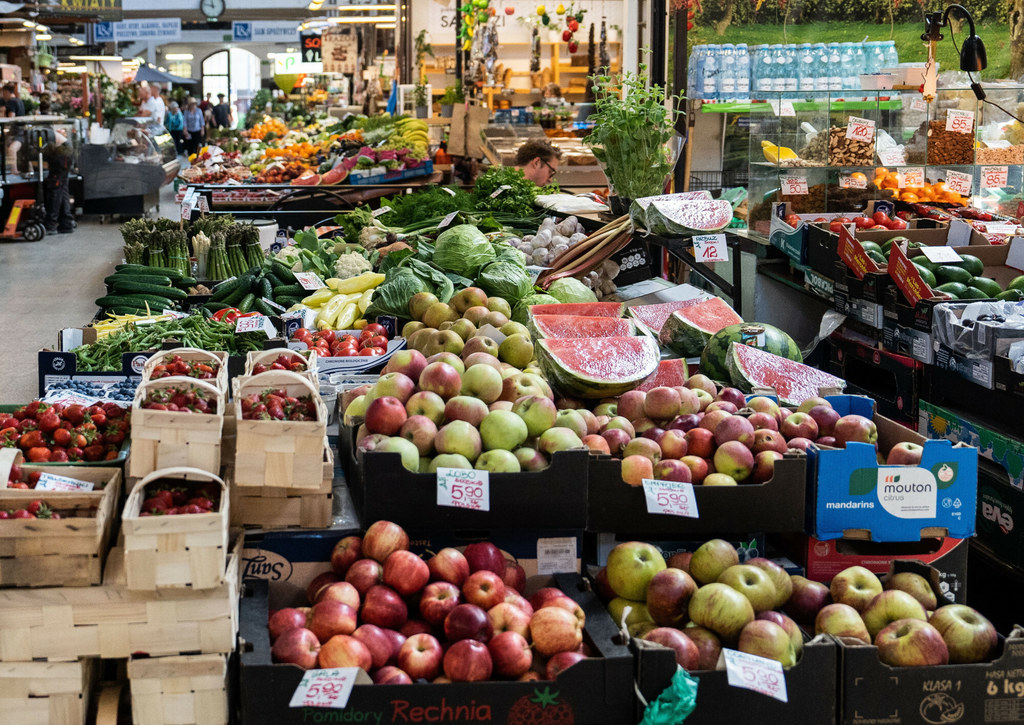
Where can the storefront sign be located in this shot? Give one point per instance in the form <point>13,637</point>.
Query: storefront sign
<point>264,31</point>
<point>290,63</point>
<point>85,6</point>
<point>311,48</point>
<point>340,51</point>
<point>124,31</point>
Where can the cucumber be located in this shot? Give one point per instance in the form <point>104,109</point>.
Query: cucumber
<point>266,288</point>
<point>225,289</point>
<point>138,300</point>
<point>247,302</point>
<point>288,302</point>
<point>128,310</point>
<point>263,308</point>
<point>129,286</point>
<point>282,272</point>
<point>159,280</point>
<point>144,269</point>
<point>214,306</point>
<point>236,296</point>
<point>186,282</point>
<point>275,281</point>
<point>290,290</point>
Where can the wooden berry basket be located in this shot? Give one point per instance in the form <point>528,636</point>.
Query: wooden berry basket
<point>192,354</point>
<point>166,439</point>
<point>47,693</point>
<point>275,507</point>
<point>267,356</point>
<point>68,551</point>
<point>170,552</point>
<point>182,690</point>
<point>284,454</point>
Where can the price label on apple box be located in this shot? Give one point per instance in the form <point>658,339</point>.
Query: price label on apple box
<point>709,248</point>
<point>793,185</point>
<point>759,674</point>
<point>959,182</point>
<point>860,129</point>
<point>464,489</point>
<point>325,688</point>
<point>911,177</point>
<point>994,177</point>
<point>959,121</point>
<point>673,498</point>
<point>309,280</point>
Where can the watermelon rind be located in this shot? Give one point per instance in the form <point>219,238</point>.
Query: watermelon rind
<point>649,315</point>
<point>581,309</point>
<point>688,330</point>
<point>755,334</point>
<point>674,217</point>
<point>545,326</point>
<point>554,356</point>
<point>792,381</point>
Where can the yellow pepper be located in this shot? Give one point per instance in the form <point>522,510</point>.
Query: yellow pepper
<point>360,324</point>
<point>364,300</point>
<point>329,312</point>
<point>359,283</point>
<point>347,317</point>
<point>319,297</point>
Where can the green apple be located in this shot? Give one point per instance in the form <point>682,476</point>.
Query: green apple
<point>637,615</point>
<point>483,382</point>
<point>515,328</point>
<point>711,559</point>
<point>502,429</point>
<point>630,568</point>
<point>537,411</point>
<point>516,350</point>
<point>449,460</point>
<point>753,583</point>
<point>410,454</point>
<point>721,609</point>
<point>498,461</point>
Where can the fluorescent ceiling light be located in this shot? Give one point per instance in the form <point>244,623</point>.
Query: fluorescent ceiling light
<point>346,8</point>
<point>179,56</point>
<point>387,26</point>
<point>44,36</point>
<point>28,23</point>
<point>353,20</point>
<point>72,69</point>
<point>95,57</point>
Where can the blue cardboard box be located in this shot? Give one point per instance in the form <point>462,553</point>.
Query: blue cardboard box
<point>853,495</point>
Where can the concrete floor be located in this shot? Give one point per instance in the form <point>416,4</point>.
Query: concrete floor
<point>49,285</point>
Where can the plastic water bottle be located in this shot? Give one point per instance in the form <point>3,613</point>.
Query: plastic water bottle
<point>835,67</point>
<point>762,73</point>
<point>891,55</point>
<point>742,72</point>
<point>727,78</point>
<point>875,57</point>
<point>710,75</point>
<point>860,60</point>
<point>849,70</point>
<point>791,75</point>
<point>821,71</point>
<point>806,69</point>
<point>694,68</point>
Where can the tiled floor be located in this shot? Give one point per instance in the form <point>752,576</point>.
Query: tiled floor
<point>49,285</point>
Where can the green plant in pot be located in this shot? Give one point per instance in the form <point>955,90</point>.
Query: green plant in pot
<point>419,95</point>
<point>452,95</point>
<point>633,137</point>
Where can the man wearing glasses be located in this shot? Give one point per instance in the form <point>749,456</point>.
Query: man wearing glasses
<point>538,160</point>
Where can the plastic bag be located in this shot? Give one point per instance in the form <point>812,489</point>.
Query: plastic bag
<point>675,703</point>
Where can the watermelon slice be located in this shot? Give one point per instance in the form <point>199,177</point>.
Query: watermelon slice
<point>689,329</point>
<point>543,326</point>
<point>793,382</point>
<point>670,374</point>
<point>653,317</point>
<point>597,367</point>
<point>581,309</point>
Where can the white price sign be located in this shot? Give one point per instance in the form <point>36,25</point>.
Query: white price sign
<point>918,104</point>
<point>891,157</point>
<point>463,488</point>
<point>447,220</point>
<point>51,482</point>
<point>381,212</point>
<point>309,280</point>
<point>255,323</point>
<point>860,129</point>
<point>994,177</point>
<point>793,185</point>
<point>911,177</point>
<point>710,248</point>
<point>500,190</point>
<point>959,121</point>
<point>759,674</point>
<point>674,498</point>
<point>959,182</point>
<point>941,255</point>
<point>786,109</point>
<point>853,182</point>
<point>325,688</point>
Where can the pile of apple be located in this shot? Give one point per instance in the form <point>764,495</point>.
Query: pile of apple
<point>457,327</point>
<point>446,411</point>
<point>697,603</point>
<point>697,433</point>
<point>456,617</point>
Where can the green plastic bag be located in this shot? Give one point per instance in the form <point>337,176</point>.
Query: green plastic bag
<point>675,703</point>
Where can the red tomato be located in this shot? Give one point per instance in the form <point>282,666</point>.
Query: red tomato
<point>835,226</point>
<point>375,341</point>
<point>877,227</point>
<point>366,334</point>
<point>842,220</point>
<point>369,352</point>
<point>897,224</point>
<point>791,219</point>
<point>347,352</point>
<point>349,338</point>
<point>376,328</point>
<point>863,222</point>
<point>327,335</point>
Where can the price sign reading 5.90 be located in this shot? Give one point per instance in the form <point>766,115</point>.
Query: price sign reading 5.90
<point>462,488</point>
<point>673,498</point>
<point>759,674</point>
<point>325,688</point>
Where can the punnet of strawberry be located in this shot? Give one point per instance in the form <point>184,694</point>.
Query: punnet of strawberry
<point>33,510</point>
<point>176,365</point>
<point>17,477</point>
<point>181,399</point>
<point>180,498</point>
<point>277,404</point>
<point>281,362</point>
<point>59,434</point>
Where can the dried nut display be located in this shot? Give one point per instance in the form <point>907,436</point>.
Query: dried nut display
<point>1011,155</point>
<point>949,148</point>
<point>844,151</point>
<point>816,150</point>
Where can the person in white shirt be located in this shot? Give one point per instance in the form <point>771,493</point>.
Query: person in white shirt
<point>151,104</point>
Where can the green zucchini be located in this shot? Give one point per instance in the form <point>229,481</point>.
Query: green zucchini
<point>282,272</point>
<point>138,300</point>
<point>159,280</point>
<point>130,286</point>
<point>290,290</point>
<point>247,302</point>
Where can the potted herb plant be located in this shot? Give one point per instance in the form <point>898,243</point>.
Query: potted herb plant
<point>633,136</point>
<point>452,95</point>
<point>419,95</point>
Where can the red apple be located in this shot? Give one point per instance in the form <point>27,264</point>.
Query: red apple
<point>449,565</point>
<point>511,654</point>
<point>484,589</point>
<point>415,626</point>
<point>343,592</point>
<point>485,555</point>
<point>517,600</point>
<point>319,582</point>
<point>698,468</point>
<point>391,675</point>
<point>514,576</point>
<point>709,646</point>
<point>700,442</point>
<point>911,643</point>
<point>564,601</point>
<point>799,425</point>
<point>687,654</point>
<point>854,428</point>
<point>968,635</point>
<point>376,641</point>
<point>468,621</point>
<point>680,560</point>
<point>807,599</point>
<point>905,454</point>
<point>405,572</point>
<point>673,444</point>
<point>382,606</point>
<point>799,444</point>
<point>437,602</point>
<point>385,415</point>
<point>297,646</point>
<point>554,630</point>
<point>364,574</point>
<point>383,538</point>
<point>284,619</point>
<point>684,422</point>
<point>343,650</point>
<point>345,553</point>
<point>560,662</point>
<point>672,470</point>
<point>764,421</point>
<point>826,417</point>
<point>769,440</point>
<point>467,661</point>
<point>420,656</point>
<point>396,640</point>
<point>764,466</point>
<point>506,617</point>
<point>544,594</point>
<point>617,440</point>
<point>668,597</point>
<point>330,618</point>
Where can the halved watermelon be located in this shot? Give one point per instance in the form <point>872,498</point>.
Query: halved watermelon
<point>794,382</point>
<point>582,309</point>
<point>760,335</point>
<point>653,317</point>
<point>543,326</point>
<point>670,374</point>
<point>597,367</point>
<point>689,329</point>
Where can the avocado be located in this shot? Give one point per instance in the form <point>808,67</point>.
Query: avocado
<point>972,264</point>
<point>926,275</point>
<point>949,273</point>
<point>952,288</point>
<point>877,257</point>
<point>870,246</point>
<point>922,261</point>
<point>973,293</point>
<point>1011,295</point>
<point>1017,283</point>
<point>989,286</point>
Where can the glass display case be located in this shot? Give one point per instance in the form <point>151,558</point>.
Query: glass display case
<point>830,152</point>
<point>135,140</point>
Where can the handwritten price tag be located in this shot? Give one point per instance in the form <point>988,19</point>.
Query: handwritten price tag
<point>918,104</point>
<point>993,177</point>
<point>255,323</point>
<point>309,280</point>
<point>50,482</point>
<point>447,220</point>
<point>381,212</point>
<point>860,129</point>
<point>451,192</point>
<point>941,255</point>
<point>673,498</point>
<point>959,182</point>
<point>500,190</point>
<point>793,185</point>
<point>759,674</point>
<point>325,688</point>
<point>464,489</point>
<point>959,121</point>
<point>891,157</point>
<point>911,177</point>
<point>853,182</point>
<point>710,248</point>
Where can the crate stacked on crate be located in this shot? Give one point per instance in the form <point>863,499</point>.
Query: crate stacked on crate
<point>183,690</point>
<point>283,469</point>
<point>47,693</point>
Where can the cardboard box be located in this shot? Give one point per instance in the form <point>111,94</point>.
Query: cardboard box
<point>596,690</point>
<point>808,243</point>
<point>983,339</point>
<point>987,692</point>
<point>776,505</point>
<point>994,587</point>
<point>822,560</point>
<point>981,373</point>
<point>891,379</point>
<point>598,546</point>
<point>810,688</point>
<point>906,340</point>
<point>852,495</point>
<point>995,443</point>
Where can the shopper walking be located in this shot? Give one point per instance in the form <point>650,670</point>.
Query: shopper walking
<point>221,113</point>
<point>195,127</point>
<point>57,155</point>
<point>175,125</point>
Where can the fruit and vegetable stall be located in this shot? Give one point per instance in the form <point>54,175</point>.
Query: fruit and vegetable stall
<point>462,460</point>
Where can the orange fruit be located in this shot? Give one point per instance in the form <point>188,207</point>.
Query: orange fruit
<point>909,197</point>
<point>858,176</point>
